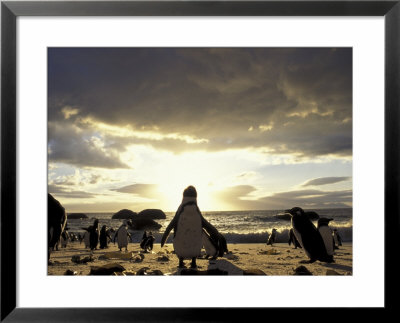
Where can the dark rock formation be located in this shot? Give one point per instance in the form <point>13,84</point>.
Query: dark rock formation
<point>78,260</point>
<point>154,214</point>
<point>144,271</point>
<point>77,216</point>
<point>302,270</point>
<point>163,258</point>
<point>144,224</point>
<point>108,269</point>
<point>124,215</point>
<point>69,272</point>
<point>254,272</point>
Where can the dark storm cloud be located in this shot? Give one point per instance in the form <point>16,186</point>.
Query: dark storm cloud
<point>286,100</point>
<point>325,181</point>
<point>238,197</point>
<point>71,145</point>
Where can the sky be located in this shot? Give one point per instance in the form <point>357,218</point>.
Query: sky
<point>250,128</point>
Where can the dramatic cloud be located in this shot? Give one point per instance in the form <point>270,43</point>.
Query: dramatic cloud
<point>325,181</point>
<point>308,199</point>
<point>239,197</point>
<point>284,100</point>
<point>62,192</point>
<point>71,145</point>
<point>265,118</point>
<point>143,190</point>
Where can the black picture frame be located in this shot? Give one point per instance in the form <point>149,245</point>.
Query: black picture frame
<point>10,10</point>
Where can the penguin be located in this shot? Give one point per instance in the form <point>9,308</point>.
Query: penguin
<point>148,243</point>
<point>104,237</point>
<point>337,240</point>
<point>292,239</point>
<point>272,237</point>
<point>143,241</point>
<point>64,238</point>
<point>188,224</point>
<point>309,237</point>
<point>56,222</point>
<point>93,234</point>
<point>209,245</point>
<point>326,234</point>
<point>86,239</point>
<point>122,235</point>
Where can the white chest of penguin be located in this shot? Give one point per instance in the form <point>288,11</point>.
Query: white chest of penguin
<point>326,234</point>
<point>188,236</point>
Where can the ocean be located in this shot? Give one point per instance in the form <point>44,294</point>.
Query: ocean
<point>236,226</point>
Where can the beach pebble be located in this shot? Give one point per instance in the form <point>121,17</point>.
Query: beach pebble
<point>272,251</point>
<point>302,270</point>
<point>163,258</point>
<point>331,272</point>
<point>77,259</point>
<point>156,272</point>
<point>254,272</point>
<point>138,258</point>
<point>69,272</point>
<point>142,271</point>
<point>108,269</point>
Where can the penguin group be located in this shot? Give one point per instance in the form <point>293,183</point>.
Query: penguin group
<point>317,242</point>
<point>192,231</point>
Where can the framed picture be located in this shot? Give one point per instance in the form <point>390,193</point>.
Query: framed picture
<point>205,77</point>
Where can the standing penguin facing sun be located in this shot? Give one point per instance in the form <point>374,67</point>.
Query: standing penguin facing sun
<point>188,224</point>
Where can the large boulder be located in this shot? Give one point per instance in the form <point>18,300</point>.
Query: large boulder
<point>77,216</point>
<point>144,224</point>
<point>124,215</point>
<point>154,214</point>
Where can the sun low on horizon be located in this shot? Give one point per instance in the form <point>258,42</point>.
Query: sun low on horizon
<point>250,128</point>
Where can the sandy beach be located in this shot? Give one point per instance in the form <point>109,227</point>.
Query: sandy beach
<point>242,259</point>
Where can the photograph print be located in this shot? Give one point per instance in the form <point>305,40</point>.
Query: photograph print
<point>200,161</point>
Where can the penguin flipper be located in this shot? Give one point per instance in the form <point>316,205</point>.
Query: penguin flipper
<point>215,236</point>
<point>210,229</point>
<point>168,230</point>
